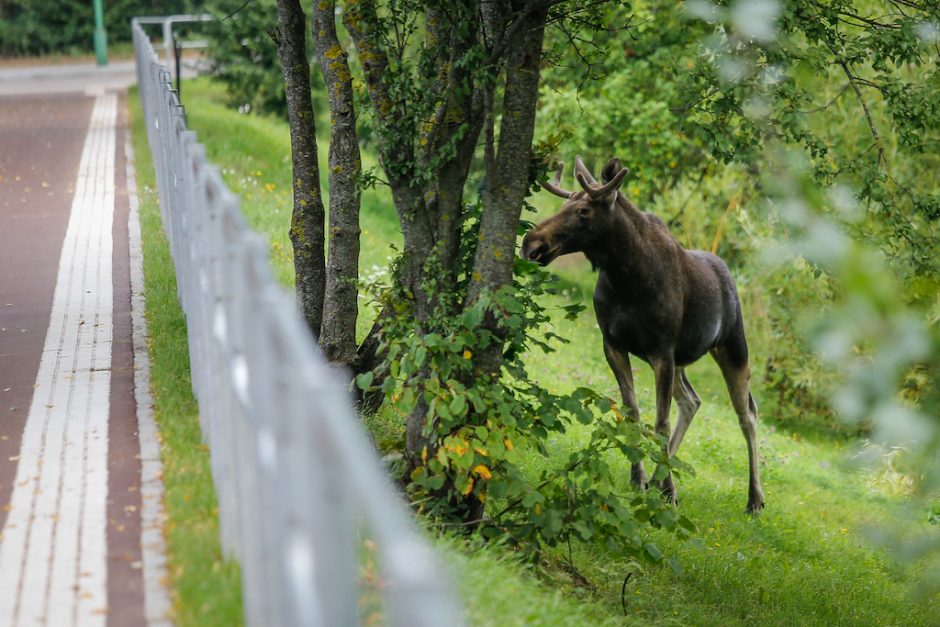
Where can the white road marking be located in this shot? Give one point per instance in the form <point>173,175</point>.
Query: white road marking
<point>53,564</point>
<point>157,604</point>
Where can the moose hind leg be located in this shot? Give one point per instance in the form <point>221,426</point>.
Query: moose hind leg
<point>737,378</point>
<point>688,403</point>
<point>619,363</point>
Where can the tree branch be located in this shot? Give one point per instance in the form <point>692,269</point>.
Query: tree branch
<point>828,104</point>
<point>861,99</point>
<point>362,23</point>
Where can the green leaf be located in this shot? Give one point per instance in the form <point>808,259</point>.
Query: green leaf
<point>661,473</point>
<point>653,552</point>
<point>532,497</point>
<point>675,565</point>
<point>458,405</point>
<point>666,518</point>
<point>687,523</point>
<point>420,355</point>
<point>364,380</point>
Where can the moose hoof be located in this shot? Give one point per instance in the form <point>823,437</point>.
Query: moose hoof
<point>755,501</point>
<point>670,497</point>
<point>667,488</point>
<point>754,508</point>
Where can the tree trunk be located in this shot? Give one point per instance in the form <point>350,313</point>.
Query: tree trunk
<point>507,170</point>
<point>306,231</point>
<point>395,132</point>
<point>340,306</point>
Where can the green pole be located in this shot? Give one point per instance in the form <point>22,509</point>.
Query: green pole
<point>101,37</point>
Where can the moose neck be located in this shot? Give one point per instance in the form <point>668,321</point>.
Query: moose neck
<point>622,250</point>
<point>638,258</point>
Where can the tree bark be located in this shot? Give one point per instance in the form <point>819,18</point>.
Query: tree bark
<point>340,302</point>
<point>507,169</point>
<point>395,131</point>
<point>306,231</point>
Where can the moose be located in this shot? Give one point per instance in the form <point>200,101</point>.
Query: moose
<point>654,299</point>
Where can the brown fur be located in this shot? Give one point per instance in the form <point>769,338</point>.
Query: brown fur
<point>656,300</point>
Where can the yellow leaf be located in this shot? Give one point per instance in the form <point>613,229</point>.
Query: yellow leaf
<point>467,354</point>
<point>538,509</point>
<point>508,444</point>
<point>481,451</point>
<point>482,471</point>
<point>469,487</point>
<point>424,454</point>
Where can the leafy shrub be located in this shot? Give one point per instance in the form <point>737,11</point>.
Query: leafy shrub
<point>483,431</point>
<point>243,54</point>
<point>797,384</point>
<point>617,94</point>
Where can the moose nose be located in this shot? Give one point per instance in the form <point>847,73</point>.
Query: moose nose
<point>532,248</point>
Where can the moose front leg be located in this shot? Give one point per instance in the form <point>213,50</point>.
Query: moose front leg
<point>619,363</point>
<point>664,371</point>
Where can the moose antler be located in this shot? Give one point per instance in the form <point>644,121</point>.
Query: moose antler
<point>580,168</point>
<point>607,188</point>
<point>554,185</point>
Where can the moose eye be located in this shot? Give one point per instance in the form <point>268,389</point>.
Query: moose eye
<point>584,212</point>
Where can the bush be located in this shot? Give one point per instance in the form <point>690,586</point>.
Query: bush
<point>797,385</point>
<point>37,28</point>
<point>244,57</point>
<point>483,431</point>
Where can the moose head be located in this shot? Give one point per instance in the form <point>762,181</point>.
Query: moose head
<point>583,219</point>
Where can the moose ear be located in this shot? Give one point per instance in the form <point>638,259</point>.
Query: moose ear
<point>611,169</point>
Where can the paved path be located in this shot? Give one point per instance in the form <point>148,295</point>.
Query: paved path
<point>66,78</point>
<point>71,484</point>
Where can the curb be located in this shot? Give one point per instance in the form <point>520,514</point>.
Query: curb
<point>157,604</point>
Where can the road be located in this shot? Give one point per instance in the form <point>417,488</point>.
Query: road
<point>70,463</point>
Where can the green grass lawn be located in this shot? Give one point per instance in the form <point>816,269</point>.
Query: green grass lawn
<point>806,560</point>
<point>206,588</point>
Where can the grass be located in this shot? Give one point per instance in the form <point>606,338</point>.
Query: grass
<point>807,560</point>
<point>206,588</point>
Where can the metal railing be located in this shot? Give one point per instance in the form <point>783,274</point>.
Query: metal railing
<point>300,488</point>
<point>171,43</point>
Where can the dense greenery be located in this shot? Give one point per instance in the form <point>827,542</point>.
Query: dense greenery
<point>794,138</point>
<point>484,434</point>
<point>28,27</point>
<point>692,105</point>
<point>807,560</point>
<point>244,55</point>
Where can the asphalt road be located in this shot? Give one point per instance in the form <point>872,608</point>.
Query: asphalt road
<point>71,475</point>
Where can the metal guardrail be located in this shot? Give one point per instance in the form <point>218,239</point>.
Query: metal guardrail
<point>300,488</point>
<point>166,24</point>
